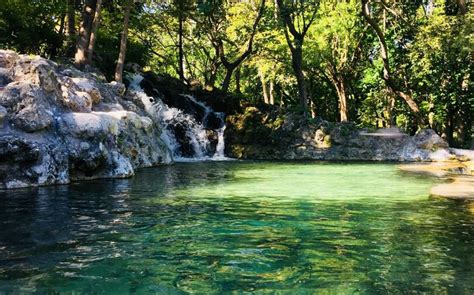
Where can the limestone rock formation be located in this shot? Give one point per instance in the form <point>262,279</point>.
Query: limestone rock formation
<point>58,124</point>
<point>276,135</point>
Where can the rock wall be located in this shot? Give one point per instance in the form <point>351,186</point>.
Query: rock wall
<point>273,134</point>
<point>58,124</point>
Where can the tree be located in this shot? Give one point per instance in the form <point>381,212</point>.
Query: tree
<point>387,75</point>
<point>71,18</point>
<point>32,26</point>
<point>335,46</point>
<point>80,58</point>
<point>93,36</point>
<point>123,42</point>
<point>71,26</point>
<point>297,17</point>
<point>181,10</point>
<point>230,66</point>
<point>228,31</point>
<point>462,7</point>
<point>441,64</point>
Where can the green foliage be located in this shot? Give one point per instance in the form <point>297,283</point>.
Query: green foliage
<point>31,26</point>
<point>430,53</point>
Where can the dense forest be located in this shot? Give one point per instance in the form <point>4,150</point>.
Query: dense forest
<point>378,63</point>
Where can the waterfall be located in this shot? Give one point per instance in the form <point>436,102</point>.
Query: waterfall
<point>219,154</point>
<point>187,139</point>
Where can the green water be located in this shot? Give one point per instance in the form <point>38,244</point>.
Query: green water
<point>238,227</point>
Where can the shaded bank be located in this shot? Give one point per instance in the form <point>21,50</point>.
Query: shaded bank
<point>278,134</point>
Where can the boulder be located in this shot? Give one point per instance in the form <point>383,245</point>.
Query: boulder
<point>427,139</point>
<point>33,118</point>
<point>87,86</point>
<point>8,58</point>
<point>76,101</point>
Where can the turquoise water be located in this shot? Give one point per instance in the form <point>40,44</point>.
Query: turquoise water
<point>238,227</point>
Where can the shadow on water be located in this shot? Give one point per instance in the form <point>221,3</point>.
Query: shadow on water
<point>240,226</point>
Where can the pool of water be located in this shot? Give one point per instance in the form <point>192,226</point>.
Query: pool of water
<point>223,227</point>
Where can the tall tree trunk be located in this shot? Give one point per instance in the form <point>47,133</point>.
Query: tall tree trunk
<point>70,27</point>
<point>211,81</point>
<point>62,24</point>
<point>80,58</point>
<point>339,84</point>
<point>342,95</point>
<point>237,80</point>
<point>450,125</point>
<point>123,43</point>
<point>95,26</point>
<point>298,32</point>
<point>271,93</point>
<point>266,99</point>
<point>387,74</point>
<point>462,7</point>
<point>180,48</point>
<point>71,18</point>
<point>297,63</point>
<point>228,77</point>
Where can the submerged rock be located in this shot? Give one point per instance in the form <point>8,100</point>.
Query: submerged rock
<point>59,124</point>
<point>458,174</point>
<point>461,187</point>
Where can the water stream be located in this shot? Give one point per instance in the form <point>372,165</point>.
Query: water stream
<point>181,130</point>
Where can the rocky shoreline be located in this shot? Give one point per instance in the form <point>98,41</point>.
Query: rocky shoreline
<point>59,125</point>
<point>276,135</point>
<point>457,175</point>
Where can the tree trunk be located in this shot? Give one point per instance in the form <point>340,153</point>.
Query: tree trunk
<point>71,18</point>
<point>211,81</point>
<point>297,63</point>
<point>70,27</point>
<point>228,77</point>
<point>298,32</point>
<point>462,7</point>
<point>450,126</point>
<point>95,26</point>
<point>62,24</point>
<point>266,100</point>
<point>387,75</point>
<point>342,95</point>
<point>180,49</point>
<point>271,93</point>
<point>123,43</point>
<point>80,58</point>
<point>237,80</point>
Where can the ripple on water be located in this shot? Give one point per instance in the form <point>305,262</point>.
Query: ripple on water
<point>239,226</point>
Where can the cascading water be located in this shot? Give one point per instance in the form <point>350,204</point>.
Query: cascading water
<point>220,141</point>
<point>187,139</point>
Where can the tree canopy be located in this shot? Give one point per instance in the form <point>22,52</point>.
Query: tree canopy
<point>378,63</point>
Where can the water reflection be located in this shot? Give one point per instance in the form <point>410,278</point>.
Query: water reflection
<point>186,228</point>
